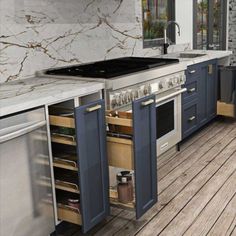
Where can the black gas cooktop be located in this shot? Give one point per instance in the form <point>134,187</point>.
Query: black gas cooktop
<point>112,68</point>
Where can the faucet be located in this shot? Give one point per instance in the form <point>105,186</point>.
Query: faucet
<point>166,45</point>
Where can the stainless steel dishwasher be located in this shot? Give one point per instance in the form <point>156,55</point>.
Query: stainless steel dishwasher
<point>26,207</point>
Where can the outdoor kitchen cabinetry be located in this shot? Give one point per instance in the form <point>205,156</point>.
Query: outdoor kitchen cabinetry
<point>135,149</point>
<point>78,137</point>
<point>200,100</point>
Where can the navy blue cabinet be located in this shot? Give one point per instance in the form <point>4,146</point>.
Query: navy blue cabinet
<point>92,162</point>
<point>199,102</point>
<point>80,163</point>
<point>135,150</point>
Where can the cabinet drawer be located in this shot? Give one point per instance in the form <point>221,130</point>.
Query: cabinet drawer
<point>191,92</point>
<point>192,73</point>
<point>120,153</point>
<point>68,214</point>
<point>61,121</point>
<point>189,119</point>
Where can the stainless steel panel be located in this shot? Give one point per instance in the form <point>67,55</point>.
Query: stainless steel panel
<point>25,181</point>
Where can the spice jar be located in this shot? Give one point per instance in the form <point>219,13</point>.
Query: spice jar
<point>125,187</point>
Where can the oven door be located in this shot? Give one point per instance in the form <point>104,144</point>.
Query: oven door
<point>168,117</point>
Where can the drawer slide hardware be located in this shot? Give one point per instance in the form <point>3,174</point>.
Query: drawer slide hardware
<point>97,107</point>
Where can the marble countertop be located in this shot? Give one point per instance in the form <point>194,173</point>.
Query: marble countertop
<point>33,92</point>
<point>209,54</point>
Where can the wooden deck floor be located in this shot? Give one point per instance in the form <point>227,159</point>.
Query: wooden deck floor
<point>197,190</point>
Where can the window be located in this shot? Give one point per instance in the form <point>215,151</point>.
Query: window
<point>209,24</point>
<point>156,13</point>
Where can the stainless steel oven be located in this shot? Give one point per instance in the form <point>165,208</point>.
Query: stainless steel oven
<point>168,115</point>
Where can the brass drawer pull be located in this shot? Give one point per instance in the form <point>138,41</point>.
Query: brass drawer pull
<point>192,90</point>
<point>148,102</point>
<point>192,118</point>
<point>192,71</point>
<point>97,107</point>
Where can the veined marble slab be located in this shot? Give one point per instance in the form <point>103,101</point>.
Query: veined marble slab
<point>29,93</point>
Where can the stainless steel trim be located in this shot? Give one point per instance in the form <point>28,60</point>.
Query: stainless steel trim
<point>148,102</point>
<point>51,166</point>
<point>97,107</point>
<point>171,95</point>
<point>30,127</point>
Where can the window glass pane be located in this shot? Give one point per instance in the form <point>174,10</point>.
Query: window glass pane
<point>155,16</point>
<point>202,18</point>
<point>216,23</point>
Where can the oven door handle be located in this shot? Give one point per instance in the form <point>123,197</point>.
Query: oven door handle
<point>171,95</point>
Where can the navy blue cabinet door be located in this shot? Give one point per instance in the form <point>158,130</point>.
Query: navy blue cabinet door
<point>145,158</point>
<point>212,89</point>
<point>93,164</point>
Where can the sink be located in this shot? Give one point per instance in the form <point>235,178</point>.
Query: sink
<point>190,55</point>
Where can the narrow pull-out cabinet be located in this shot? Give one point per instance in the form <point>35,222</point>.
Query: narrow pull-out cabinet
<point>135,149</point>
<point>78,138</point>
<point>93,165</point>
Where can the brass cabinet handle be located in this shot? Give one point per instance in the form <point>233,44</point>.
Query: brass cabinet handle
<point>192,71</point>
<point>192,118</point>
<point>192,90</point>
<point>210,69</point>
<point>148,102</point>
<point>97,107</point>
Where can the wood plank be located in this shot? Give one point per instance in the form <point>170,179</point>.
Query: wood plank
<point>196,138</point>
<point>193,156</point>
<point>225,221</point>
<point>207,183</point>
<point>132,225</point>
<point>210,213</point>
<point>190,151</point>
<point>199,170</point>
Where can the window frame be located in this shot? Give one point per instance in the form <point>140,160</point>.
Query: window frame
<point>223,23</point>
<point>149,43</point>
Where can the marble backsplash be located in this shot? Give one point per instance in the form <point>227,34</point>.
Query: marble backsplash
<point>35,35</point>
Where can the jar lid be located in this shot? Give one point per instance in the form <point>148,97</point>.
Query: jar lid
<point>126,174</point>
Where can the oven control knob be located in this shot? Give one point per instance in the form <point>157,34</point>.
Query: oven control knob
<point>146,90</point>
<point>123,97</point>
<point>127,97</point>
<point>161,86</point>
<point>113,102</point>
<point>118,99</point>
<point>134,95</point>
<point>171,84</point>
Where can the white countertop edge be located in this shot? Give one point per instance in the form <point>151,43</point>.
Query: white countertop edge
<point>10,109</point>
